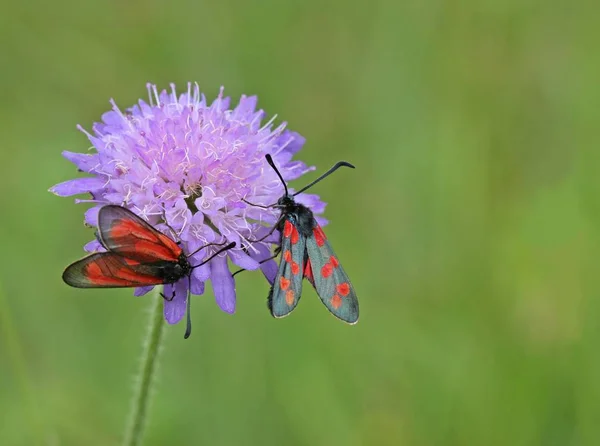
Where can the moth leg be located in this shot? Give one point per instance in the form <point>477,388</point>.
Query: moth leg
<point>168,299</point>
<point>275,254</point>
<point>175,235</point>
<point>271,231</point>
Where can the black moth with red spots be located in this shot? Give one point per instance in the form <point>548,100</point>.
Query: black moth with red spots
<point>305,252</point>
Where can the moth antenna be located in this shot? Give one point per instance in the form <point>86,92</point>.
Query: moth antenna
<point>231,245</point>
<point>272,164</point>
<point>257,205</point>
<point>188,326</point>
<point>260,263</point>
<point>326,174</point>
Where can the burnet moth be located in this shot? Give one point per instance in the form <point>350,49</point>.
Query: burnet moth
<point>136,255</point>
<point>305,252</point>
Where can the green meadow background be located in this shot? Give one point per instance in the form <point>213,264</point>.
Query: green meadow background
<point>470,227</point>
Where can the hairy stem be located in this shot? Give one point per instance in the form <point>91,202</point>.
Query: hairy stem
<point>145,380</point>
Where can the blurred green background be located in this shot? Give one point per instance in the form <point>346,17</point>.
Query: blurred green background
<point>469,228</point>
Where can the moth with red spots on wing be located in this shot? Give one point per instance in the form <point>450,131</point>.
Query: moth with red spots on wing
<point>136,255</point>
<point>305,252</point>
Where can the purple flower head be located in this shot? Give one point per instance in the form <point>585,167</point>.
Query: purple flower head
<point>181,163</point>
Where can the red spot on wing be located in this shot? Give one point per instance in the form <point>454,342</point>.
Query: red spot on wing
<point>93,270</point>
<point>129,236</point>
<point>109,281</point>
<point>327,270</point>
<point>153,251</point>
<point>290,231</point>
<point>289,297</point>
<point>284,283</point>
<point>131,276</point>
<point>127,228</point>
<point>94,273</point>
<point>319,235</point>
<point>343,289</point>
<point>295,268</point>
<point>295,235</point>
<point>308,271</point>
<point>336,301</point>
<point>170,243</point>
<point>287,256</point>
<point>288,227</point>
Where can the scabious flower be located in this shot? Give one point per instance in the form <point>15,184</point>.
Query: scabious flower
<point>191,167</point>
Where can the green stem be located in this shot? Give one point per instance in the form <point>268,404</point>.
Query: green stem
<point>145,381</point>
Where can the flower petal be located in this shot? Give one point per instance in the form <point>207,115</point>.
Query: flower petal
<point>91,216</point>
<point>209,203</point>
<point>269,268</point>
<point>223,284</point>
<point>201,273</point>
<point>321,220</point>
<point>175,308</point>
<point>312,201</point>
<point>243,260</point>
<point>285,146</point>
<point>84,162</point>
<point>197,287</point>
<point>77,186</point>
<point>140,291</point>
<point>245,107</point>
<point>94,246</point>
<point>296,169</point>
